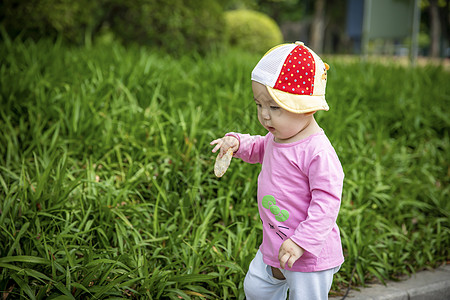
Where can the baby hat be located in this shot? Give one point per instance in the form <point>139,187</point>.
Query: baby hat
<point>295,77</point>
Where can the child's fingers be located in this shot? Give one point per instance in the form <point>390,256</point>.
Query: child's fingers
<point>223,150</point>
<point>284,259</point>
<point>223,144</point>
<point>289,253</point>
<point>217,147</point>
<point>287,259</point>
<point>215,141</point>
<point>291,261</point>
<point>218,144</point>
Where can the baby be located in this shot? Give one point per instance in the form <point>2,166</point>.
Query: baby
<point>300,183</point>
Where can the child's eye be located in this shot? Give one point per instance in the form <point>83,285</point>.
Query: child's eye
<point>275,107</point>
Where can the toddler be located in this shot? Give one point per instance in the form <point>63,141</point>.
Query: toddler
<point>300,183</point>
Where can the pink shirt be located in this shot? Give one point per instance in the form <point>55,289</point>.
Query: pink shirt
<point>299,195</point>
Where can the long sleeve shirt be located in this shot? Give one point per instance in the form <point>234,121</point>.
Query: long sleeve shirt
<point>299,196</point>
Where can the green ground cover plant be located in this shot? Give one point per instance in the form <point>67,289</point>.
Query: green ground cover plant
<point>106,176</point>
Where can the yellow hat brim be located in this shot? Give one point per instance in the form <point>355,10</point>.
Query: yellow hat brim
<point>298,104</point>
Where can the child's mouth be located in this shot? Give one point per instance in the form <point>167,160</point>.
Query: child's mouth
<point>270,128</point>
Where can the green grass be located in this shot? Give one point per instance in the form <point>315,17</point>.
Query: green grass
<point>107,187</point>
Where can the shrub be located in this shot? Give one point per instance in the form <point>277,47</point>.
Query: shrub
<point>173,25</point>
<point>38,18</point>
<point>251,30</point>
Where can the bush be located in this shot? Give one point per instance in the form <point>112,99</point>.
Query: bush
<point>37,18</point>
<point>251,30</point>
<point>174,25</point>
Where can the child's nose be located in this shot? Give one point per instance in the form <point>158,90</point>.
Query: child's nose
<point>265,114</point>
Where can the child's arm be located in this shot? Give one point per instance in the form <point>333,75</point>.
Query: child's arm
<point>325,180</point>
<point>249,148</point>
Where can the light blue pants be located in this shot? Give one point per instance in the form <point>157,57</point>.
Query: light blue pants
<point>259,284</point>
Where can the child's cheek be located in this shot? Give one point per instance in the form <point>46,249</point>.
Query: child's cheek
<point>278,113</point>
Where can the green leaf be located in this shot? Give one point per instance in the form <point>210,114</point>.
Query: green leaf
<point>192,278</point>
<point>24,258</point>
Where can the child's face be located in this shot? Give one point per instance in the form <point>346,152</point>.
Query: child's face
<point>285,126</point>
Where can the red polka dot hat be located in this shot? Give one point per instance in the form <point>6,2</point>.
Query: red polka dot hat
<point>295,77</point>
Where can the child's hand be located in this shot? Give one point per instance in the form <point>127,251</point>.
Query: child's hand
<point>289,253</point>
<point>224,144</point>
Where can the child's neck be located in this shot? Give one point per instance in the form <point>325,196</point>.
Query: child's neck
<point>309,129</point>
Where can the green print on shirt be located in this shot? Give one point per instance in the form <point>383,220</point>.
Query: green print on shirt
<point>269,202</point>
